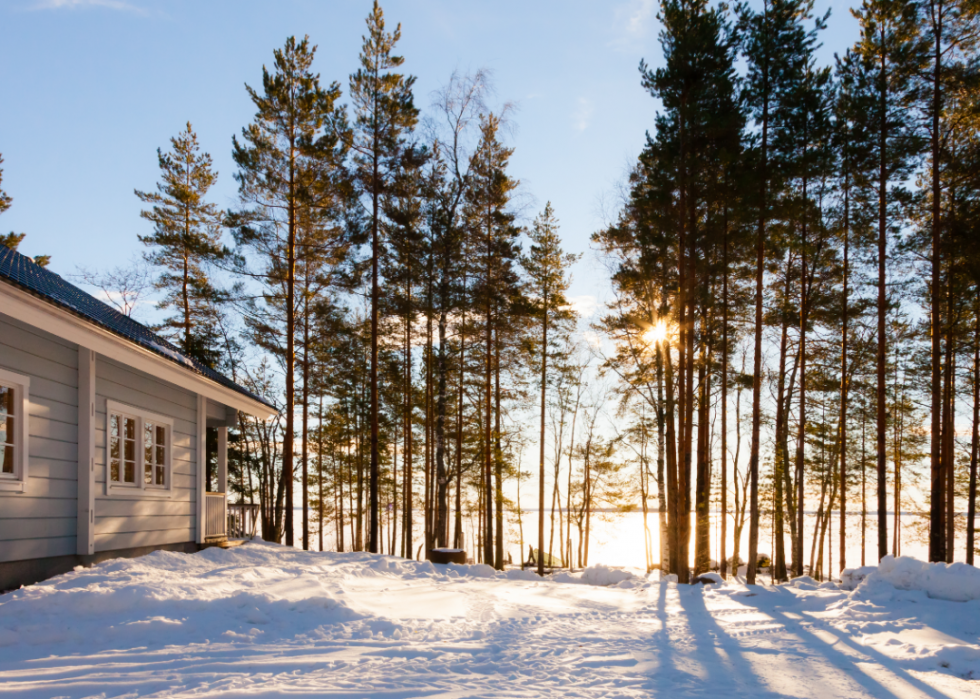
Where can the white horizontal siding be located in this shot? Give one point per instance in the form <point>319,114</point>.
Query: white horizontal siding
<point>42,521</point>
<point>147,521</point>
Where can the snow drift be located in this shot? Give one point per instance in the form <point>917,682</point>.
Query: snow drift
<point>957,582</point>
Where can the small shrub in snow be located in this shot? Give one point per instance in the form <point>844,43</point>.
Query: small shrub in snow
<point>850,578</point>
<point>604,575</point>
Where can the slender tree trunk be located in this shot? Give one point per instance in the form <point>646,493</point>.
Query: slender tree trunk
<point>864,488</point>
<point>937,510</point>
<point>305,442</point>
<point>319,468</point>
<point>408,528</point>
<point>702,539</point>
<point>949,426</point>
<point>781,460</point>
<point>287,452</point>
<point>897,427</point>
<point>430,461</point>
<point>661,486</point>
<point>488,397</point>
<point>544,388</point>
<point>760,251</point>
<point>882,312</point>
<point>458,533</point>
<point>804,307</point>
<point>844,380</point>
<point>375,290</point>
<point>673,495</point>
<point>442,475</point>
<point>498,458</point>
<point>971,507</point>
<point>723,543</point>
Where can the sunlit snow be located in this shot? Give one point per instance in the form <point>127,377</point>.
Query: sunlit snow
<point>263,620</point>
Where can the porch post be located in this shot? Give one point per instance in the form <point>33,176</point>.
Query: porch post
<point>85,530</point>
<point>201,459</point>
<point>223,474</point>
<point>223,460</point>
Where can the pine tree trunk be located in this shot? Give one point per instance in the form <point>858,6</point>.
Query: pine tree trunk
<point>702,505</point>
<point>442,476</point>
<point>488,398</point>
<point>408,527</point>
<point>544,388</point>
<point>430,461</point>
<point>287,452</point>
<point>804,303</point>
<point>949,435</point>
<point>723,543</point>
<point>498,458</point>
<point>937,510</point>
<point>319,465</point>
<point>971,506</point>
<point>760,249</point>
<point>458,533</point>
<point>673,494</point>
<point>881,422</point>
<point>844,382</point>
<point>781,460</point>
<point>305,446</point>
<point>375,290</point>
<point>864,488</point>
<point>661,486</point>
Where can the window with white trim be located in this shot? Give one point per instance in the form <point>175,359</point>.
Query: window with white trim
<point>14,402</point>
<point>139,450</point>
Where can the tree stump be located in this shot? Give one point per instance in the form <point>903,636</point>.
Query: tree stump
<point>448,556</point>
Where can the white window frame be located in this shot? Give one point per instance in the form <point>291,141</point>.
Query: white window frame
<point>17,481</point>
<point>139,489</point>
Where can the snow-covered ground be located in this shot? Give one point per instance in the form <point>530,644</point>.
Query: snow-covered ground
<point>263,620</point>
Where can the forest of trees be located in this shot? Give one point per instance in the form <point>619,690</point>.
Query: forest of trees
<point>794,325</point>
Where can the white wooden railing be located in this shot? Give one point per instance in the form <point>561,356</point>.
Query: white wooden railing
<point>215,516</point>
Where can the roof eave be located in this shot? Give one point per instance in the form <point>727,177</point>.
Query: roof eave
<point>42,313</point>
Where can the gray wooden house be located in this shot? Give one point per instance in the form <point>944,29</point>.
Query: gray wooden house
<point>102,432</point>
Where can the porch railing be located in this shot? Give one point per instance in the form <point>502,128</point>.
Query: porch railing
<point>243,520</point>
<point>215,516</point>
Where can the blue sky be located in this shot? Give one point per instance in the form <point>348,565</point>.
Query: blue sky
<point>91,88</point>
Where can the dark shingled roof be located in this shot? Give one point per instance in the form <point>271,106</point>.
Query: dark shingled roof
<point>24,273</point>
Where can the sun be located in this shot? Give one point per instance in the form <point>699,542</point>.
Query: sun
<point>655,333</point>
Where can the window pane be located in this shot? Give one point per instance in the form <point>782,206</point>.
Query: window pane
<point>7,431</point>
<point>114,426</point>
<point>161,435</point>
<point>114,468</point>
<point>130,450</point>
<point>160,475</point>
<point>161,457</point>
<point>6,459</point>
<point>148,455</point>
<point>147,434</point>
<point>6,401</point>
<point>130,472</point>
<point>130,427</point>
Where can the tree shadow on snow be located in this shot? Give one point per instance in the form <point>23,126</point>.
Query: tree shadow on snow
<point>729,667</point>
<point>848,663</point>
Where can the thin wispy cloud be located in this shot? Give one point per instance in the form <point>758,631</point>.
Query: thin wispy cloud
<point>632,22</point>
<point>582,116</point>
<point>120,5</point>
<point>585,305</point>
